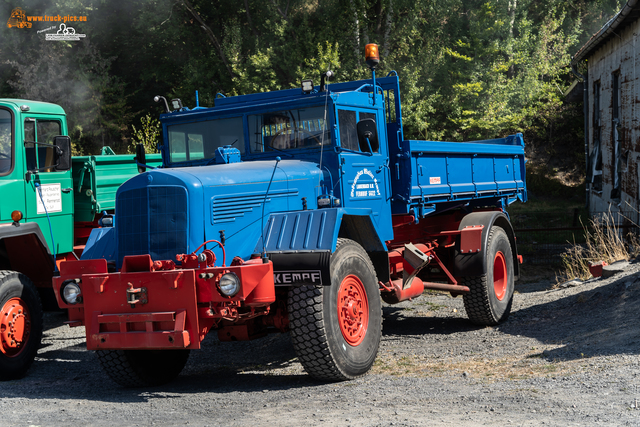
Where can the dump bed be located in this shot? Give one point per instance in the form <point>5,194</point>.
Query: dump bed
<point>432,176</point>
<point>96,180</point>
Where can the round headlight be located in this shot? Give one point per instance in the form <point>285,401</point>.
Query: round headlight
<point>71,292</point>
<point>229,284</point>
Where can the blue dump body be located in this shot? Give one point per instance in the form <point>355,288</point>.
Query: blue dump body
<point>432,176</point>
<point>220,161</point>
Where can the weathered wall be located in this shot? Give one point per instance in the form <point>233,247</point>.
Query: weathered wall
<point>621,54</point>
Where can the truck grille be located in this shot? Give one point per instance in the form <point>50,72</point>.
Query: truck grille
<point>153,221</point>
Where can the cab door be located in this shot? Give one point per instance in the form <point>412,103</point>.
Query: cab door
<point>11,172</point>
<point>48,193</point>
<point>365,175</point>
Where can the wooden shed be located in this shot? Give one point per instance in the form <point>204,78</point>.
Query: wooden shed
<point>611,93</point>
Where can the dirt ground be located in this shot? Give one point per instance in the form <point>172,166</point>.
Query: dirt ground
<point>567,356</point>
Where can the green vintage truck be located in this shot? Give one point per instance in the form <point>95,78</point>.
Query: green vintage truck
<point>49,204</point>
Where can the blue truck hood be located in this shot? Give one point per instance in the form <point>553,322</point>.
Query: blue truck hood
<point>164,212</point>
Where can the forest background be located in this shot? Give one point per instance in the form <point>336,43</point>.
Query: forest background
<point>469,69</point>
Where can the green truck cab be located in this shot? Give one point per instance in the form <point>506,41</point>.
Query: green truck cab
<point>49,204</point>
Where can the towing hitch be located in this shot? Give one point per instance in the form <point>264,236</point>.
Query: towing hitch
<point>136,295</point>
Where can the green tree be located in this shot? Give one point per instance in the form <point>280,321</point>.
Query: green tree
<point>148,134</point>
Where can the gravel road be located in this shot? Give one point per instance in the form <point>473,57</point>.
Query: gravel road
<point>568,356</point>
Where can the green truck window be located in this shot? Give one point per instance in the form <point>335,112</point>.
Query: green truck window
<point>6,142</point>
<point>41,131</point>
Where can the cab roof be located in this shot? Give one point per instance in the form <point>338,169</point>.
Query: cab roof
<point>34,106</point>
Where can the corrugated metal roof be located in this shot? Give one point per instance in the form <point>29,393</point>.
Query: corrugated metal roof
<point>629,13</point>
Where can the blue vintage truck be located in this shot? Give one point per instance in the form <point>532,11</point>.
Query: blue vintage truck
<point>297,211</point>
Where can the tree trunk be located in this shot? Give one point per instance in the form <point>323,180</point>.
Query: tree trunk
<point>512,19</point>
<point>210,34</point>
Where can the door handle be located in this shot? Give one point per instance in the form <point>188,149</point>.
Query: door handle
<point>66,190</point>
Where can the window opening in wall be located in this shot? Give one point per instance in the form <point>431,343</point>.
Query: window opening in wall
<point>596,152</point>
<point>616,126</point>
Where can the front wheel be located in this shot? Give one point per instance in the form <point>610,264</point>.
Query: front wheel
<point>491,295</point>
<point>142,368</point>
<point>336,329</point>
<point>20,324</point>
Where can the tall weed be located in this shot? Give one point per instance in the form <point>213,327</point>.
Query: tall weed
<point>605,241</point>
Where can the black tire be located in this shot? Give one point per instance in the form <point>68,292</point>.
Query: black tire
<point>20,324</point>
<point>142,368</point>
<point>325,351</point>
<point>490,297</point>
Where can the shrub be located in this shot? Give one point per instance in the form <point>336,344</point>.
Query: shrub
<point>605,241</point>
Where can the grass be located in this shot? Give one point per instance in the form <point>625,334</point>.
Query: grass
<point>510,367</point>
<point>604,241</point>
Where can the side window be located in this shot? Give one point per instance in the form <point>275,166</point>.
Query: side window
<point>30,130</point>
<point>370,116</point>
<point>348,135</point>
<point>348,120</point>
<point>6,142</point>
<point>39,156</point>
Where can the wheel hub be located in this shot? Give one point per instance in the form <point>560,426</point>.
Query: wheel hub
<point>500,276</point>
<point>15,326</point>
<point>353,310</point>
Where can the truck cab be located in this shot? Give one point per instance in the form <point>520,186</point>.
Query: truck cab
<point>322,162</point>
<point>35,177</point>
<point>36,221</point>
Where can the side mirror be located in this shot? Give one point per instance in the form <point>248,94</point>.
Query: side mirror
<point>62,153</point>
<point>368,136</point>
<point>141,157</point>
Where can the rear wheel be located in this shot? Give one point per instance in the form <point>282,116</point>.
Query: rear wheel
<point>336,329</point>
<point>142,368</point>
<point>20,324</point>
<point>491,295</point>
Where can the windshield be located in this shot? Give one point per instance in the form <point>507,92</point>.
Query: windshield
<point>6,138</point>
<point>284,130</point>
<point>196,141</point>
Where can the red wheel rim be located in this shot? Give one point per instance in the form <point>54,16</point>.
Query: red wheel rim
<point>15,326</point>
<point>499,276</point>
<point>353,310</point>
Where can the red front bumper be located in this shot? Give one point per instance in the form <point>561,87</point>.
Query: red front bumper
<point>150,307</point>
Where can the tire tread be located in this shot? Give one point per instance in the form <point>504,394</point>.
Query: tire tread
<point>477,302</point>
<point>309,333</point>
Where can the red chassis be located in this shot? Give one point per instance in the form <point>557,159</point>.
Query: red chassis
<point>156,305</point>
